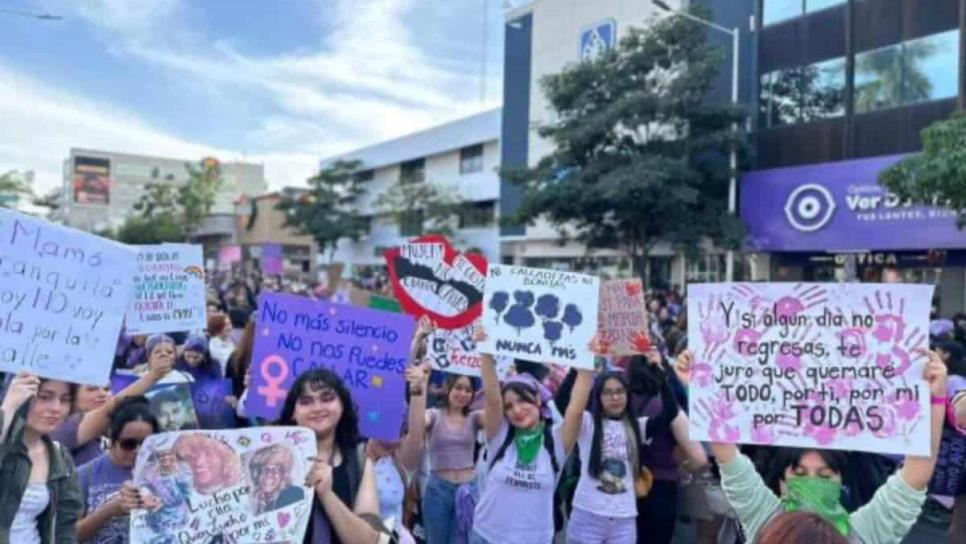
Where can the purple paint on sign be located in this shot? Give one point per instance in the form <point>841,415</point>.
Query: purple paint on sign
<point>303,334</point>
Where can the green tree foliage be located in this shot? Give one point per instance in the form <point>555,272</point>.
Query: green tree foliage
<point>937,176</point>
<point>325,211</point>
<point>168,212</point>
<point>640,157</point>
<point>421,208</point>
<point>12,189</point>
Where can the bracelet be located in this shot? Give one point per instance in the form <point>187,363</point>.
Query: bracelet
<point>939,401</point>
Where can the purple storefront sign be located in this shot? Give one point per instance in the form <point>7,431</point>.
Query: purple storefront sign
<point>839,206</point>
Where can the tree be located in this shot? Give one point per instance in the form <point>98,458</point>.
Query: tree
<point>173,213</point>
<point>937,176</point>
<point>324,211</point>
<point>640,156</point>
<point>421,208</point>
<point>13,187</point>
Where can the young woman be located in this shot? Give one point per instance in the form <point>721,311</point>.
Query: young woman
<point>812,484</point>
<point>39,497</point>
<point>109,495</point>
<point>611,442</point>
<point>196,362</point>
<point>449,434</point>
<point>524,455</point>
<point>82,431</point>
<point>800,528</point>
<point>344,481</point>
<point>391,481</point>
<point>221,345</point>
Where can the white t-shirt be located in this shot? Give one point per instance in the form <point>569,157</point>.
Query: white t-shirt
<point>517,499</point>
<point>613,494</point>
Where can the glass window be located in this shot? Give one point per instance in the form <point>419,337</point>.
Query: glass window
<point>816,5</point>
<point>878,79</point>
<point>412,171</point>
<point>411,224</point>
<point>823,89</point>
<point>476,214</point>
<point>471,159</point>
<point>706,269</point>
<point>365,175</point>
<point>778,101</point>
<point>931,68</point>
<point>774,11</point>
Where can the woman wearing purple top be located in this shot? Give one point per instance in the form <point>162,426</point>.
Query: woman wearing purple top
<point>449,433</point>
<point>109,495</point>
<point>81,433</point>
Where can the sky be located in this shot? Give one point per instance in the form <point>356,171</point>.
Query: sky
<point>284,83</point>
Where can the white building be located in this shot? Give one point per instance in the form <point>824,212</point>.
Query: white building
<point>462,156</point>
<point>541,38</point>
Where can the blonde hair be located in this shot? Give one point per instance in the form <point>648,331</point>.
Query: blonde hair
<point>230,467</point>
<point>269,453</point>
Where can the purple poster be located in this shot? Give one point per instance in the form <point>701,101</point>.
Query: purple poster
<point>210,407</point>
<point>367,348</point>
<point>839,206</point>
<point>272,259</point>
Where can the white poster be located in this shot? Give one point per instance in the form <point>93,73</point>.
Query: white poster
<point>835,366</point>
<point>243,486</point>
<point>547,316</point>
<point>63,294</point>
<point>455,352</point>
<point>169,290</point>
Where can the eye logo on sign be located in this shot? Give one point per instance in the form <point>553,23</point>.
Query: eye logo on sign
<point>598,38</point>
<point>809,207</point>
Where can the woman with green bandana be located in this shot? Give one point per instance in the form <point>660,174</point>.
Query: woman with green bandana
<point>812,482</point>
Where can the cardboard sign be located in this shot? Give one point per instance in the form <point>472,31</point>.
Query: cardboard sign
<point>272,259</point>
<point>622,317</point>
<point>833,366</point>
<point>455,352</point>
<point>63,294</point>
<point>169,290</point>
<point>547,316</point>
<point>224,486</point>
<point>368,349</point>
<point>431,278</point>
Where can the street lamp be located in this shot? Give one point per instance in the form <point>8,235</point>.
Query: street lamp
<point>733,183</point>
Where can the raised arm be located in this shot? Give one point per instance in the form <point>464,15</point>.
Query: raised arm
<point>493,400</point>
<point>575,409</point>
<point>695,456</point>
<point>917,471</point>
<point>411,449</point>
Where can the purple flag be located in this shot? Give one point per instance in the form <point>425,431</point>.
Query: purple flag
<point>368,349</point>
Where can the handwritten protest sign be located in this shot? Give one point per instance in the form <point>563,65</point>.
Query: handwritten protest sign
<point>810,365</point>
<point>430,278</point>
<point>243,486</point>
<point>622,317</point>
<point>169,290</point>
<point>63,294</point>
<point>455,352</point>
<point>368,349</point>
<point>547,316</point>
<point>272,259</point>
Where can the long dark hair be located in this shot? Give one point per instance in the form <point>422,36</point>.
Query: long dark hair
<point>645,379</point>
<point>530,395</point>
<point>347,430</point>
<point>598,413</point>
<point>130,410</point>
<point>448,388</point>
<point>785,458</point>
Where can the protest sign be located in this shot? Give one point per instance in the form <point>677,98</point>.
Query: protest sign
<point>63,294</point>
<point>211,404</point>
<point>272,260</point>
<point>257,495</point>
<point>227,256</point>
<point>432,279</point>
<point>455,352</point>
<point>169,290</point>
<point>181,404</point>
<point>622,317</point>
<point>368,349</point>
<point>387,304</point>
<point>547,316</point>
<point>833,366</point>
<point>949,477</point>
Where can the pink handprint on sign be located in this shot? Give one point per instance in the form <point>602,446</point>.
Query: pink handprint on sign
<point>802,298</point>
<point>853,343</point>
<point>791,361</point>
<point>747,339</point>
<point>750,294</point>
<point>720,413</point>
<point>714,330</point>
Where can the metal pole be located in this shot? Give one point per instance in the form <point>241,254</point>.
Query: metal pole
<point>733,160</point>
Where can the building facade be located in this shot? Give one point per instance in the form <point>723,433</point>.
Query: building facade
<point>101,187</point>
<point>843,89</point>
<point>461,157</point>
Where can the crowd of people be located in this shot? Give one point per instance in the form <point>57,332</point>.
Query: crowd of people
<point>549,454</point>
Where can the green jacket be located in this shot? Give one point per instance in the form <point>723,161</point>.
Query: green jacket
<point>57,523</point>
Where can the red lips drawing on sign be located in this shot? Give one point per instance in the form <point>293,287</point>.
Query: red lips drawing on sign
<point>431,278</point>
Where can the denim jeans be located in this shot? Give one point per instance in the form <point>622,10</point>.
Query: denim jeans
<point>439,511</point>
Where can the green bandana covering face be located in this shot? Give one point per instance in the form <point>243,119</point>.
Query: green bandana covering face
<point>528,443</point>
<point>820,496</point>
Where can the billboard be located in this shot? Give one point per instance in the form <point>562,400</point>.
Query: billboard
<point>91,181</point>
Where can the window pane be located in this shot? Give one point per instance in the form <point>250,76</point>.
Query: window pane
<point>780,98</point>
<point>877,79</point>
<point>471,159</point>
<point>823,89</point>
<point>816,5</point>
<point>931,67</point>
<point>780,10</point>
<point>412,171</point>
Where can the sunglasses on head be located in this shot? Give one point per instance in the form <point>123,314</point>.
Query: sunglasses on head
<point>130,444</point>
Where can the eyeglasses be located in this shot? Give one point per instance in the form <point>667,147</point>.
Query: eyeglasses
<point>130,444</point>
<point>272,470</point>
<point>613,393</point>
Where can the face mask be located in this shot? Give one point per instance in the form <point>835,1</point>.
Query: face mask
<point>820,496</point>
